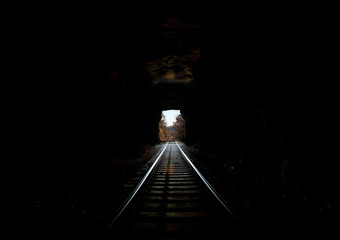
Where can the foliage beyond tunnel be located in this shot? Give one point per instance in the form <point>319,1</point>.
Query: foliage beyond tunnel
<point>174,132</point>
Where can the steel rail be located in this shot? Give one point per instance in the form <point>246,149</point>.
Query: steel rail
<point>129,199</point>
<point>213,191</point>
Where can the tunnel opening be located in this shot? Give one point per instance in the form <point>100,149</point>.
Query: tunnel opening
<point>171,126</point>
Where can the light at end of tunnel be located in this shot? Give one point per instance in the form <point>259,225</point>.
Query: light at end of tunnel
<point>170,116</point>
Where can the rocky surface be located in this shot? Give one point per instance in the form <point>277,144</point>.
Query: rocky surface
<point>261,205</point>
<point>86,206</point>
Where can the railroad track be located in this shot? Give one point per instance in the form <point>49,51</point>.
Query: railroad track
<point>173,201</point>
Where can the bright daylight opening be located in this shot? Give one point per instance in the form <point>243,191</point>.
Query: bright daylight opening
<point>171,126</point>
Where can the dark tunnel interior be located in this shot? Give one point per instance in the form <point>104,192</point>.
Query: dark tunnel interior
<point>256,91</point>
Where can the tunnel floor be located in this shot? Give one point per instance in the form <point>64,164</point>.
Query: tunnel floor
<point>88,206</point>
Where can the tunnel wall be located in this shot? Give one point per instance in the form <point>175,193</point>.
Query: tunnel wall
<point>83,102</point>
<point>260,93</point>
<point>267,102</point>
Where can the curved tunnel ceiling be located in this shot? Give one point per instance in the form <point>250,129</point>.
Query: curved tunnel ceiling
<point>174,46</point>
<point>178,47</point>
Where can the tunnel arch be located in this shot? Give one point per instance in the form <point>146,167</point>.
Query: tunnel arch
<point>258,95</point>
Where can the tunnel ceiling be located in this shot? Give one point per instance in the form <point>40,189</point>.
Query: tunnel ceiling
<point>175,47</point>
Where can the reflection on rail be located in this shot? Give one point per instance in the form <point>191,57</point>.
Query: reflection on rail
<point>173,199</point>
